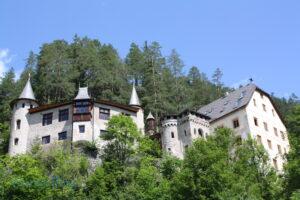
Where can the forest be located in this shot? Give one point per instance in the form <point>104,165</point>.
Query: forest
<point>209,170</point>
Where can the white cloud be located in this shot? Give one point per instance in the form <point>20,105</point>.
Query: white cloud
<point>5,59</point>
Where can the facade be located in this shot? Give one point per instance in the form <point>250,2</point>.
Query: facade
<point>249,111</point>
<point>82,119</point>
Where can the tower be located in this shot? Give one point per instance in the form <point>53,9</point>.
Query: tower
<point>150,125</point>
<point>135,102</point>
<point>82,116</point>
<point>20,126</point>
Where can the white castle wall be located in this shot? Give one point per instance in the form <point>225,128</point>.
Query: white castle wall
<point>273,121</point>
<point>37,130</point>
<point>227,121</point>
<point>20,113</point>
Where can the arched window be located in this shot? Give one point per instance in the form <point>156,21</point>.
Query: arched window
<point>200,132</point>
<point>172,134</point>
<point>16,141</point>
<point>18,124</point>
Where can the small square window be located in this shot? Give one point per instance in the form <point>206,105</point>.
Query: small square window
<point>275,164</point>
<point>104,113</point>
<point>62,135</point>
<point>269,144</point>
<point>259,140</point>
<point>264,107</point>
<point>255,121</point>
<point>81,128</point>
<point>266,126</point>
<point>18,124</point>
<point>47,119</point>
<point>103,132</point>
<point>16,141</point>
<point>275,131</point>
<point>172,135</point>
<point>46,139</point>
<point>236,123</point>
<point>63,115</point>
<point>279,149</point>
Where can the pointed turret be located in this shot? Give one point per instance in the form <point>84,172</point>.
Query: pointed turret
<point>27,92</point>
<point>134,99</point>
<point>150,116</point>
<point>82,94</point>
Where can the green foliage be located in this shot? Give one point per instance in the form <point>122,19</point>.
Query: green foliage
<point>4,138</point>
<point>122,133</point>
<point>292,169</point>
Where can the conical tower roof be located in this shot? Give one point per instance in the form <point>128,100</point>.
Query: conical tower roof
<point>150,116</point>
<point>82,94</point>
<point>134,99</point>
<point>27,92</point>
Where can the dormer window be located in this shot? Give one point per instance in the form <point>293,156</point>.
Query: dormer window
<point>82,107</point>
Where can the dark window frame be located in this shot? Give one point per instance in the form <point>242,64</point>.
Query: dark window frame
<point>81,128</point>
<point>63,115</point>
<point>104,113</point>
<point>47,119</point>
<point>62,135</point>
<point>46,139</point>
<point>18,125</point>
<point>236,123</point>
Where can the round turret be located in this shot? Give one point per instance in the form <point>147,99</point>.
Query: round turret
<point>19,123</point>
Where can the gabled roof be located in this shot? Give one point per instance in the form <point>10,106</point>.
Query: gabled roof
<point>27,92</point>
<point>233,102</point>
<point>82,94</point>
<point>134,99</point>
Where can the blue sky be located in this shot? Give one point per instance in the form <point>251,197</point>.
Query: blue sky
<point>248,38</point>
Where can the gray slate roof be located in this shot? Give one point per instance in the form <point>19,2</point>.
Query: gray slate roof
<point>134,99</point>
<point>233,101</point>
<point>82,94</point>
<point>27,92</point>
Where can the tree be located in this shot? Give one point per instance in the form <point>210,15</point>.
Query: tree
<point>7,94</point>
<point>122,133</point>
<point>292,170</point>
<point>217,77</point>
<point>4,138</point>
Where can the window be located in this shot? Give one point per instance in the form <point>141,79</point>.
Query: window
<point>255,121</point>
<point>23,105</point>
<point>104,113</point>
<point>264,107</point>
<point>186,147</point>
<point>261,95</point>
<point>200,132</point>
<point>284,150</point>
<point>46,139</point>
<point>47,119</point>
<point>282,135</point>
<point>126,114</point>
<point>269,144</point>
<point>236,123</point>
<point>81,128</point>
<point>195,131</point>
<point>169,149</point>
<point>31,106</point>
<point>258,138</point>
<point>275,164</point>
<point>62,135</point>
<point>275,131</point>
<point>103,132</point>
<point>172,135</point>
<point>279,149</point>
<point>266,126</point>
<point>63,115</point>
<point>185,133</point>
<point>16,141</point>
<point>273,112</point>
<point>18,124</point>
<point>254,102</point>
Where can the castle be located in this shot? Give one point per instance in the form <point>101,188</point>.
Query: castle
<point>249,111</point>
